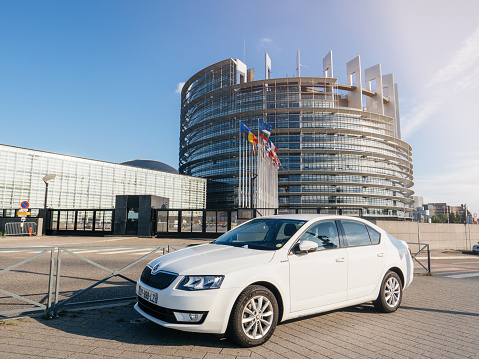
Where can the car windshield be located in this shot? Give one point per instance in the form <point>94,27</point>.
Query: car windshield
<point>261,233</point>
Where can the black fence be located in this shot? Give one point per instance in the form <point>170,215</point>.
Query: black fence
<point>203,222</point>
<point>96,222</point>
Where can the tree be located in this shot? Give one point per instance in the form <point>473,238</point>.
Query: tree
<point>444,218</point>
<point>452,218</point>
<point>436,219</point>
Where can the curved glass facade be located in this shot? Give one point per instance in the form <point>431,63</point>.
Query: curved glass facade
<point>335,158</point>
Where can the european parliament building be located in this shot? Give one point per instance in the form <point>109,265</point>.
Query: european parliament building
<point>339,143</point>
<point>85,183</point>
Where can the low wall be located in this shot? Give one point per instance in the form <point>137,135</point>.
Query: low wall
<point>437,235</point>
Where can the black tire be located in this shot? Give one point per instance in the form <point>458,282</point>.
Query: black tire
<point>245,308</point>
<point>390,294</point>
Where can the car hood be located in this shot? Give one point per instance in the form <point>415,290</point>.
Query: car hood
<point>211,259</point>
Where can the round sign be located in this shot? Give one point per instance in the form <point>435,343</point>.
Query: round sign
<point>25,204</point>
<point>475,215</point>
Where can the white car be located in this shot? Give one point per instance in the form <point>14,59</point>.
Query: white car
<point>272,269</point>
<point>475,248</point>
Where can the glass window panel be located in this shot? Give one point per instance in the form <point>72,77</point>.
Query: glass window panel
<point>161,222</point>
<point>173,221</point>
<point>211,221</point>
<point>356,233</point>
<point>222,221</point>
<point>186,221</point>
<point>375,235</point>
<point>197,221</point>
<point>325,234</point>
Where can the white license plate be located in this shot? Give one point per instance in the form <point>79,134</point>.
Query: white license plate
<point>147,295</point>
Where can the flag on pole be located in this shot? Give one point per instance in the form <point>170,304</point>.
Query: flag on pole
<point>244,128</point>
<point>250,136</point>
<point>264,130</point>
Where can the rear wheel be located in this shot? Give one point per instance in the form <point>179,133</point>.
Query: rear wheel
<point>254,317</point>
<point>390,295</point>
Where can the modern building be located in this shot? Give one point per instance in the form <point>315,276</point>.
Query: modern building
<point>82,183</point>
<point>339,144</point>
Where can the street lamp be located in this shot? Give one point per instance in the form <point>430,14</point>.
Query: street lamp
<point>46,179</point>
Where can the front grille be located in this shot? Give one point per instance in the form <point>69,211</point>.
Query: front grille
<point>164,314</point>
<point>160,280</point>
<point>156,311</point>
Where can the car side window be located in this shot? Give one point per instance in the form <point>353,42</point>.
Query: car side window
<point>356,234</point>
<point>324,233</point>
<point>375,235</point>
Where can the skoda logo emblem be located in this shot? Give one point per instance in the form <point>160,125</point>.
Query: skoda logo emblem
<point>155,269</point>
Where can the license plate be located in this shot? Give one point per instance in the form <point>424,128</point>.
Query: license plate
<point>147,295</point>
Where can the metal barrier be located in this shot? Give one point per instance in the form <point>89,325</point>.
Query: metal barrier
<point>421,247</point>
<point>21,229</point>
<point>37,306</point>
<point>111,273</point>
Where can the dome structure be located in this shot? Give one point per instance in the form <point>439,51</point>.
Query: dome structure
<point>151,165</point>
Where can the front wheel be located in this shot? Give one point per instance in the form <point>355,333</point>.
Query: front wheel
<point>390,295</point>
<point>254,317</point>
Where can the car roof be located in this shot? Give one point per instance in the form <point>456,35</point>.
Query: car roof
<point>311,217</point>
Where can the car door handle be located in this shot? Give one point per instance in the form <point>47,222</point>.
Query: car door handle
<point>341,259</point>
<point>380,254</point>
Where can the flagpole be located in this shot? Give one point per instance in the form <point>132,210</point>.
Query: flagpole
<point>239,170</point>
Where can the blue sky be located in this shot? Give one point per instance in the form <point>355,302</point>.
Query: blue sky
<point>98,79</point>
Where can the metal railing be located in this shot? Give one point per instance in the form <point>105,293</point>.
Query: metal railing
<point>37,305</point>
<point>421,247</point>
<point>21,229</point>
<point>111,273</point>
<point>53,303</point>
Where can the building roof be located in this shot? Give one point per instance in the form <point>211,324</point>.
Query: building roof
<point>151,165</point>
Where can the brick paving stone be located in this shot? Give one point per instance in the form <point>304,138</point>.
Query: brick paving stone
<point>106,351</point>
<point>136,355</point>
<point>239,352</point>
<point>197,354</point>
<point>55,353</point>
<point>219,356</point>
<point>439,318</point>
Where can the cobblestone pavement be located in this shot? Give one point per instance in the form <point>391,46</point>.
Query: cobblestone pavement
<point>439,318</point>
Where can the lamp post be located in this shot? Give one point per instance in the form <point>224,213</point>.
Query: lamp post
<point>46,179</point>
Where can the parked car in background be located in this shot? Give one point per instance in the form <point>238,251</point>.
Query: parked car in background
<point>475,248</point>
<point>272,269</point>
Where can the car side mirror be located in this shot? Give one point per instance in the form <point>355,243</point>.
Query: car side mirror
<point>307,246</point>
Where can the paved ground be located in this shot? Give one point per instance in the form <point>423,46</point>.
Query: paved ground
<point>439,318</point>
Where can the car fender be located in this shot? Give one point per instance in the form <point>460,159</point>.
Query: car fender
<point>275,274</point>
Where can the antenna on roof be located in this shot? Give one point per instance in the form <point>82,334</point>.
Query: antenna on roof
<point>244,49</point>
<point>298,69</point>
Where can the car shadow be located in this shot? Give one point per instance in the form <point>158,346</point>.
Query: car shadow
<point>123,324</point>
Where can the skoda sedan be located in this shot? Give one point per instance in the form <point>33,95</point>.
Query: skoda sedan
<point>272,269</point>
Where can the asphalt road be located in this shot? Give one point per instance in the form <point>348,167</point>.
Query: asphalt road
<point>31,279</point>
<point>84,262</point>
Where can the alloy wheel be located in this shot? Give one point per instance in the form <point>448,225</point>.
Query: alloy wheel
<point>257,317</point>
<point>392,292</point>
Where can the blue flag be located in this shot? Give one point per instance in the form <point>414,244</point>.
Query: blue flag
<point>244,128</point>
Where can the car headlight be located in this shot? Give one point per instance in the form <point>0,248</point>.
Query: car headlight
<point>201,282</point>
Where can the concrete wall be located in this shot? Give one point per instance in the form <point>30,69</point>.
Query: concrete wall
<point>437,235</point>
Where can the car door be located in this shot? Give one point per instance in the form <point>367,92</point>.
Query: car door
<point>365,259</point>
<point>318,278</point>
